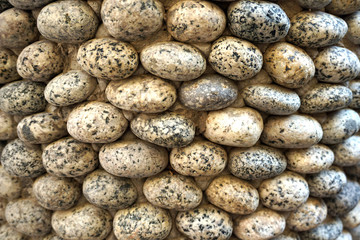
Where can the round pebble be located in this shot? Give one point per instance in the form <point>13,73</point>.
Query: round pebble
<point>343,7</point>
<point>353,33</point>
<point>7,127</point>
<point>9,233</point>
<point>285,192</point>
<point>107,191</point>
<point>347,153</point>
<point>354,86</point>
<point>10,185</point>
<point>26,5</point>
<point>352,218</point>
<point>329,229</point>
<point>56,193</point>
<point>8,72</point>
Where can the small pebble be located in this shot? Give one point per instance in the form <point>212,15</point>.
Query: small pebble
<point>347,153</point>
<point>330,229</point>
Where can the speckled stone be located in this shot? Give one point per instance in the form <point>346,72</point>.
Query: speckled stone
<point>69,88</point>
<point>22,161</point>
<point>353,33</point>
<point>132,20</point>
<point>288,65</point>
<point>205,222</point>
<point>82,222</point>
<point>345,235</point>
<point>307,216</point>
<point>310,160</point>
<point>324,97</point>
<point>262,224</point>
<point>108,58</point>
<point>326,183</point>
<point>41,128</point>
<point>330,229</point>
<point>96,122</point>
<point>68,157</point>
<point>167,130</point>
<point>340,125</point>
<point>142,221</point>
<point>336,65</point>
<point>173,60</point>
<point>22,97</point>
<point>40,61</point>
<point>345,200</point>
<point>52,236</point>
<point>285,192</point>
<point>67,21</point>
<point>28,217</point>
<point>293,131</point>
<point>287,235</point>
<point>9,233</point>
<point>352,218</point>
<point>343,7</point>
<point>133,158</point>
<point>261,78</point>
<point>141,93</point>
<point>313,4</point>
<point>195,21</point>
<point>17,28</point>
<point>316,29</point>
<point>237,127</point>
<point>258,162</point>
<point>258,21</point>
<point>7,127</point>
<point>235,58</point>
<point>8,71</point>
<point>233,195</point>
<point>56,193</point>
<point>347,153</point>
<point>200,158</point>
<point>29,5</point>
<point>271,99</point>
<point>208,93</point>
<point>107,191</point>
<point>354,86</point>
<point>10,185</point>
<point>172,191</point>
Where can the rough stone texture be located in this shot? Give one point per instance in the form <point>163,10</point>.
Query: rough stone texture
<point>69,88</point>
<point>233,195</point>
<point>310,160</point>
<point>56,193</point>
<point>67,21</point>
<point>28,217</point>
<point>17,28</point>
<point>340,125</point>
<point>9,233</point>
<point>210,92</point>
<point>40,61</point>
<point>133,158</point>
<point>108,58</point>
<point>285,192</point>
<point>330,229</point>
<point>141,93</point>
<point>307,216</point>
<point>195,21</point>
<point>173,60</point>
<point>353,33</point>
<point>347,153</point>
<point>8,71</point>
<point>238,127</point>
<point>22,161</point>
<point>29,5</point>
<point>271,99</point>
<point>96,122</point>
<point>235,58</point>
<point>336,65</point>
<point>7,127</point>
<point>142,221</point>
<point>258,21</point>
<point>262,224</point>
<point>293,131</point>
<point>10,185</point>
<point>172,191</point>
<point>288,65</point>
<point>326,183</point>
<point>352,218</point>
<point>343,7</point>
<point>324,97</point>
<point>205,222</point>
<point>167,130</point>
<point>354,86</point>
<point>68,157</point>
<point>258,162</point>
<point>200,158</point>
<point>316,29</point>
<point>107,191</point>
<point>22,98</point>
<point>84,221</point>
<point>41,128</point>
